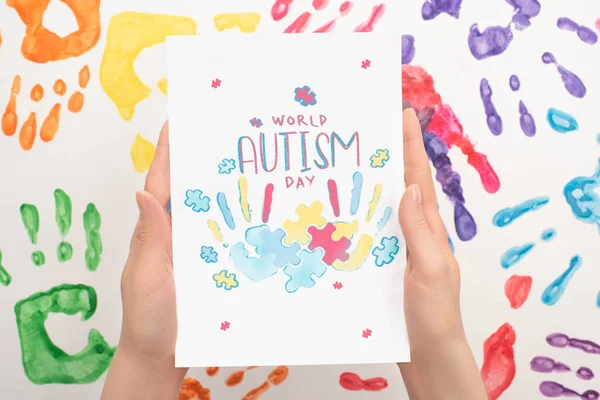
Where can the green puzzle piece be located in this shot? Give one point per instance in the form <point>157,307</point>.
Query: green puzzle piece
<point>43,361</point>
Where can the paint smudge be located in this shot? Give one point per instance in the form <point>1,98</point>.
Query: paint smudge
<point>50,125</point>
<point>63,209</point>
<point>60,87</point>
<point>387,213</point>
<point>142,153</point>
<point>509,215</point>
<point>357,181</point>
<point>117,73</point>
<point>212,371</point>
<point>515,83</point>
<point>225,210</point>
<point>10,118</point>
<point>498,370</point>
<point>28,131</point>
<point>580,194</point>
<point>91,226</point>
<point>584,33</point>
<point>351,381</point>
<point>408,49</point>
<point>561,122</point>
<point>433,8</point>
<point>244,204</point>
<point>31,220</point>
<point>526,120</point>
<point>554,389</point>
<point>37,93</point>
<point>192,389</point>
<point>374,201</point>
<point>495,40</point>
<point>491,42</point>
<point>572,83</point>
<point>437,152</point>
<point>515,254</point>
<point>556,289</point>
<point>246,22</point>
<point>375,16</point>
<point>333,197</point>
<point>43,361</point>
<point>344,10</point>
<point>438,120</point>
<point>585,373</point>
<point>75,103</point>
<point>561,340</point>
<point>267,202</point>
<point>5,277</point>
<point>41,45</point>
<point>517,290</point>
<point>548,234</point>
<point>546,365</point>
<point>494,121</point>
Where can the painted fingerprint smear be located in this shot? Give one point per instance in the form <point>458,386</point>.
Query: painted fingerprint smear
<point>517,290</point>
<point>580,194</point>
<point>509,215</point>
<point>433,8</point>
<point>498,370</point>
<point>494,121</point>
<point>560,121</point>
<point>515,254</point>
<point>554,389</point>
<point>351,381</point>
<point>585,373</point>
<point>585,34</point>
<point>560,340</point>
<point>5,277</point>
<point>514,83</point>
<point>442,131</point>
<point>556,289</point>
<point>547,365</point>
<point>526,120</point>
<point>192,389</point>
<point>572,83</point>
<point>548,234</point>
<point>408,49</point>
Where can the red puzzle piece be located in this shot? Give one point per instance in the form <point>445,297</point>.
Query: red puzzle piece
<point>334,250</point>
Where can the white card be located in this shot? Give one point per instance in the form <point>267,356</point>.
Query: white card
<point>286,175</point>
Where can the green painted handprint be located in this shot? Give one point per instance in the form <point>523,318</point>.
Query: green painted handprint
<point>43,361</point>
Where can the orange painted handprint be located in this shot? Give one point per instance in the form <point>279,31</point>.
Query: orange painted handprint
<point>192,389</point>
<point>41,45</point>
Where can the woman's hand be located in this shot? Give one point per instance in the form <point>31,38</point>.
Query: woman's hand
<point>442,366</point>
<point>144,363</point>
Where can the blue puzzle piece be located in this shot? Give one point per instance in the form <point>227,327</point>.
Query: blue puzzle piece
<point>385,254</point>
<point>267,242</point>
<point>301,276</point>
<point>197,202</point>
<point>226,166</point>
<point>255,268</point>
<point>208,254</point>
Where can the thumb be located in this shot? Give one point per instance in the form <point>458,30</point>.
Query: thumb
<point>153,225</point>
<point>420,241</point>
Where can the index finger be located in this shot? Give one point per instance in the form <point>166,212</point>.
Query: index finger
<point>158,180</point>
<point>417,170</point>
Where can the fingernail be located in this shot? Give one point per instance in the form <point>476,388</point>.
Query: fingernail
<point>415,191</point>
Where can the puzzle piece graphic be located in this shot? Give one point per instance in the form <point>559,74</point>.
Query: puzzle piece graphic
<point>385,254</point>
<point>256,122</point>
<point>208,254</point>
<point>334,250</point>
<point>307,216</point>
<point>305,96</point>
<point>225,280</point>
<point>380,158</point>
<point>267,242</point>
<point>197,202</point>
<point>301,276</point>
<point>226,166</point>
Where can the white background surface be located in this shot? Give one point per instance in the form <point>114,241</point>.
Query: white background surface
<point>90,160</point>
